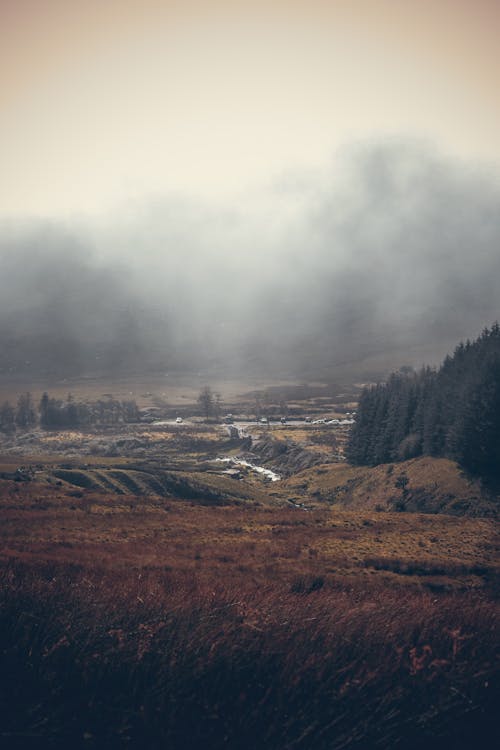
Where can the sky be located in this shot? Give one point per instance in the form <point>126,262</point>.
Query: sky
<point>287,186</point>
<point>104,104</point>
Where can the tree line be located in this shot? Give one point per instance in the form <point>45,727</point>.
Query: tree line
<point>52,413</point>
<point>451,412</point>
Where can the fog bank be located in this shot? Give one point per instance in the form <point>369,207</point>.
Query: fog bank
<point>388,257</point>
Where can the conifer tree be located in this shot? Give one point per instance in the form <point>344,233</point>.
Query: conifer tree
<point>452,412</point>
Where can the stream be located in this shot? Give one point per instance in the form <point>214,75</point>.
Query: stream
<point>267,473</point>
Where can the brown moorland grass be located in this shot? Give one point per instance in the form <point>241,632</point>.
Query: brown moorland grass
<point>74,524</point>
<point>150,622</point>
<point>114,658</point>
<point>433,485</point>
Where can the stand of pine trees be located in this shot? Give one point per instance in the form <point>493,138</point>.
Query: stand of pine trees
<point>453,412</point>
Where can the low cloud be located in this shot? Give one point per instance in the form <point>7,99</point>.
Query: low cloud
<point>391,256</point>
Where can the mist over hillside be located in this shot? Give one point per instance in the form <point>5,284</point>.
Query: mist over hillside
<point>387,257</point>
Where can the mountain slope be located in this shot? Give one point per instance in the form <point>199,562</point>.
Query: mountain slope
<point>425,485</point>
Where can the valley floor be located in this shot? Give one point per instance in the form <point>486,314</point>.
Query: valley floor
<point>150,600</point>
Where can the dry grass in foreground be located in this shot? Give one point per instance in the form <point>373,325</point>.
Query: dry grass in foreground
<point>146,622</point>
<point>102,658</point>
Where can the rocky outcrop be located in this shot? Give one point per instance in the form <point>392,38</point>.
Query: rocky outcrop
<point>283,456</point>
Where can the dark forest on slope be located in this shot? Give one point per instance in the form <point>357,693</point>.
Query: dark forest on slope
<point>452,412</point>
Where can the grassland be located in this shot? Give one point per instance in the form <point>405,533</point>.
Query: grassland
<point>148,600</point>
<point>432,485</point>
<point>194,525</point>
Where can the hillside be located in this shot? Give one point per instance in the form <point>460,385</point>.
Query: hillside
<point>151,596</point>
<point>424,485</point>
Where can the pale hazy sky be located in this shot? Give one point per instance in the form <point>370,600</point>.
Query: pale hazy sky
<point>109,102</point>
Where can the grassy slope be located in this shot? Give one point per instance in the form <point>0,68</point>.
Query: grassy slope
<point>144,606</point>
<point>144,621</point>
<point>131,623</point>
<point>435,485</point>
<point>199,536</point>
<point>143,660</point>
